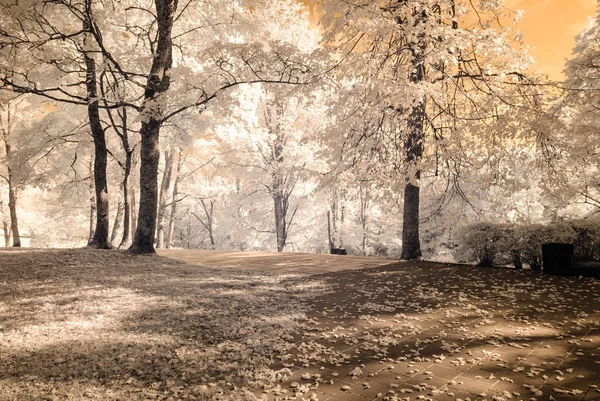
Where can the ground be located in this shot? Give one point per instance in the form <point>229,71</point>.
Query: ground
<point>106,325</point>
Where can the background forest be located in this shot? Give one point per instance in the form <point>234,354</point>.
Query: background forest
<point>237,124</point>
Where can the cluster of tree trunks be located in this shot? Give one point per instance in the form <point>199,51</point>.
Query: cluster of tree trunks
<point>149,216</point>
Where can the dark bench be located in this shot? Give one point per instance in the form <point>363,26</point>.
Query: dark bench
<point>338,251</point>
<point>558,259</point>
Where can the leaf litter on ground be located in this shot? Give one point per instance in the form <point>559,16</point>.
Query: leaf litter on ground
<point>84,324</point>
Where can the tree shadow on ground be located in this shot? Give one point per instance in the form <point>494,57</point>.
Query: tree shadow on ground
<point>463,321</point>
<point>138,326</point>
<point>143,327</point>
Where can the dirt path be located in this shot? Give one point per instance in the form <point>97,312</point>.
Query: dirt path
<point>298,263</point>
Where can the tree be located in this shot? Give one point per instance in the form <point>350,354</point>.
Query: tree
<point>283,178</point>
<point>7,128</point>
<point>60,40</point>
<point>417,82</point>
<point>33,150</point>
<point>270,138</point>
<point>174,197</point>
<point>573,143</point>
<point>113,89</point>
<point>232,65</point>
<point>65,51</point>
<point>159,80</point>
<point>100,238</point>
<point>165,189</point>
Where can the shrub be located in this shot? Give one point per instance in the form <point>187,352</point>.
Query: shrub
<point>481,243</point>
<point>583,234</point>
<point>529,238</point>
<point>510,246</point>
<point>489,243</point>
<point>586,241</point>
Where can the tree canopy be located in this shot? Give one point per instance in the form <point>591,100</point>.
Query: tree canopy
<point>236,124</point>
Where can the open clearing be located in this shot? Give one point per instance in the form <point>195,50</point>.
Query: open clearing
<point>105,325</point>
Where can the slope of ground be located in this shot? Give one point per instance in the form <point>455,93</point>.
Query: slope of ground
<point>105,325</point>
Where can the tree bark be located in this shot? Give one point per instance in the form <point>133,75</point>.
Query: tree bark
<point>125,241</point>
<point>13,232</point>
<point>133,197</point>
<point>333,217</point>
<point>158,83</point>
<point>92,203</point>
<point>280,220</point>
<point>118,222</point>
<point>5,223</point>
<point>364,219</point>
<point>209,213</point>
<point>329,232</point>
<point>176,180</point>
<point>12,186</point>
<point>14,223</point>
<point>143,241</point>
<point>413,149</point>
<point>165,186</point>
<point>100,238</point>
<point>342,218</point>
<point>279,193</point>
<point>12,205</point>
<point>411,245</point>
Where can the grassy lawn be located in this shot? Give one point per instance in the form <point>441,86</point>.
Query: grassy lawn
<point>105,325</point>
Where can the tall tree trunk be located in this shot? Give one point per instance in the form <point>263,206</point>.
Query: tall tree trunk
<point>329,232</point>
<point>92,203</point>
<point>14,223</point>
<point>209,213</point>
<point>12,204</point>
<point>125,241</point>
<point>279,194</point>
<point>333,218</point>
<point>176,180</point>
<point>143,241</point>
<point>124,202</point>
<point>280,220</point>
<point>411,246</point>
<point>158,83</point>
<point>342,218</point>
<point>165,187</point>
<point>134,194</point>
<point>100,239</point>
<point>12,186</point>
<point>413,147</point>
<point>133,198</point>
<point>364,220</point>
<point>118,222</point>
<point>5,223</point>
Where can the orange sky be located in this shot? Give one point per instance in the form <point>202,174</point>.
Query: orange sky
<point>549,27</point>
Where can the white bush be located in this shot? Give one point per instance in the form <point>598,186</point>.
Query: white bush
<point>481,243</point>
